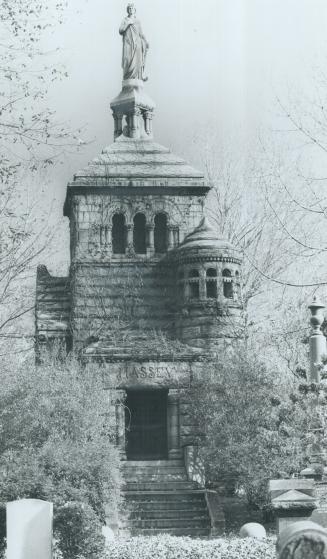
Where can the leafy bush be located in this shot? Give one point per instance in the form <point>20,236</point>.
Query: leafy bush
<point>57,436</point>
<point>168,547</point>
<point>254,430</point>
<point>77,531</point>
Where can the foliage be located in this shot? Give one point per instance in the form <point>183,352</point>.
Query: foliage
<point>254,425</point>
<point>77,531</point>
<point>168,547</point>
<point>56,436</point>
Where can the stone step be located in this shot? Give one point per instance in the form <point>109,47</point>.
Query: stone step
<point>159,486</point>
<point>151,463</point>
<point>194,532</point>
<point>196,495</point>
<point>156,507</point>
<point>175,513</point>
<point>150,470</point>
<point>159,479</point>
<point>186,523</point>
<point>154,473</point>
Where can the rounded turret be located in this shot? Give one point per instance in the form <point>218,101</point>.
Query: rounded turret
<point>208,289</point>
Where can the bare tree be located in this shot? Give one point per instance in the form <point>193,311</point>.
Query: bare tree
<point>30,139</point>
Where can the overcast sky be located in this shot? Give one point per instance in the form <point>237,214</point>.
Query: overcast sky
<point>212,63</point>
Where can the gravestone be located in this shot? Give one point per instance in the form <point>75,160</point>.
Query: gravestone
<point>292,500</point>
<point>302,540</point>
<point>253,530</point>
<point>29,529</point>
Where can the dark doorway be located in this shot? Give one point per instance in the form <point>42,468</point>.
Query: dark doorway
<point>146,425</point>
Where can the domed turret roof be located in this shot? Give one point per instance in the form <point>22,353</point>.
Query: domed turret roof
<point>203,240</point>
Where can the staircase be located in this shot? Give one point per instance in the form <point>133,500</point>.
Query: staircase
<point>160,499</point>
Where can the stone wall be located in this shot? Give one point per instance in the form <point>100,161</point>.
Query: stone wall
<point>210,325</point>
<point>120,300</point>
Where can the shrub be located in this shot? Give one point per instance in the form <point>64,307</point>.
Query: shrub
<point>77,531</point>
<point>169,547</point>
<point>56,437</point>
<point>253,430</point>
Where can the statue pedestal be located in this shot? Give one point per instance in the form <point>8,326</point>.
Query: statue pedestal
<point>136,107</point>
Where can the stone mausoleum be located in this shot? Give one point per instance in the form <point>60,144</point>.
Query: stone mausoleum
<point>153,295</point>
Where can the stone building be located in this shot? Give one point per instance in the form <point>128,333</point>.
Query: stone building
<point>152,295</point>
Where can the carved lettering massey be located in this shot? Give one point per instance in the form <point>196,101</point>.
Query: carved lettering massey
<point>164,374</point>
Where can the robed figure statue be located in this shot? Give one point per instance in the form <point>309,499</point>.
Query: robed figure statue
<point>135,46</point>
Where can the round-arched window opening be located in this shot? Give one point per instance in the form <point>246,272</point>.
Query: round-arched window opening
<point>118,234</point>
<point>139,234</point>
<point>193,284</point>
<point>160,233</point>
<point>228,284</point>
<point>211,283</point>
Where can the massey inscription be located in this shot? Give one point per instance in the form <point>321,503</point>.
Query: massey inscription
<point>163,374</point>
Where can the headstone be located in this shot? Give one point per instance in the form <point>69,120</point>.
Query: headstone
<point>29,529</point>
<point>292,500</point>
<point>253,530</point>
<point>108,534</point>
<point>302,540</point>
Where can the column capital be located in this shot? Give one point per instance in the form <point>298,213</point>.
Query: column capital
<point>173,395</point>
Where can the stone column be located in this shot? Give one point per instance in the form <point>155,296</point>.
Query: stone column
<point>150,238</point>
<point>203,285</point>
<point>317,339</point>
<point>108,236</point>
<point>120,422</point>
<point>175,236</point>
<point>174,450</point>
<point>317,350</point>
<point>115,125</point>
<point>129,230</point>
<point>170,237</point>
<point>134,128</point>
<point>148,115</point>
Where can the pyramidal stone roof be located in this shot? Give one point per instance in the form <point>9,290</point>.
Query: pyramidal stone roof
<point>138,162</point>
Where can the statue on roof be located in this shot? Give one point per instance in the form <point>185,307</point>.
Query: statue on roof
<point>135,46</point>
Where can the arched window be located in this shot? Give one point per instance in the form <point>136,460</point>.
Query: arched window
<point>118,234</point>
<point>211,283</point>
<point>160,233</point>
<point>139,234</point>
<point>194,285</point>
<point>228,284</point>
